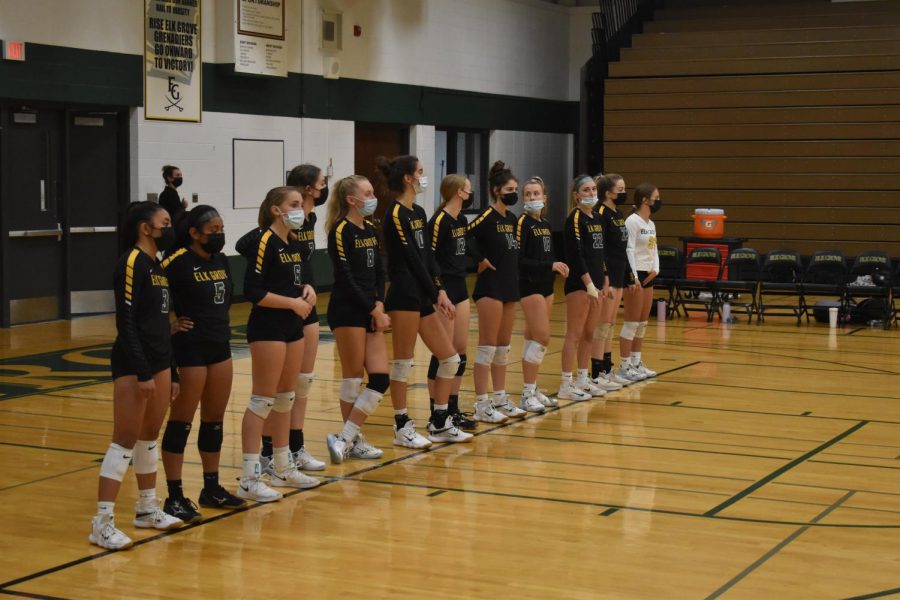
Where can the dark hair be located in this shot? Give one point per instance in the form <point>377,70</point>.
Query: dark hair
<point>643,192</point>
<point>135,214</point>
<point>392,171</point>
<point>304,175</point>
<point>167,171</point>
<point>273,198</point>
<point>607,183</point>
<point>194,218</point>
<point>498,176</point>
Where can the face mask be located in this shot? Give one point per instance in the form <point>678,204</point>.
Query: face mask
<point>214,243</point>
<point>510,198</point>
<point>422,185</point>
<point>468,201</point>
<point>166,239</point>
<point>178,181</point>
<point>655,207</point>
<point>535,206</point>
<point>621,198</point>
<point>589,202</point>
<point>368,207</point>
<point>294,219</point>
<point>323,196</point>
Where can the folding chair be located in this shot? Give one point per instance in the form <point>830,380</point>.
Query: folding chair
<point>825,275</point>
<point>744,272</point>
<point>781,279</point>
<point>669,271</point>
<point>877,265</point>
<point>688,291</point>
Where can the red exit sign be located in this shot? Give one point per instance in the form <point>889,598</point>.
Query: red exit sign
<point>14,50</point>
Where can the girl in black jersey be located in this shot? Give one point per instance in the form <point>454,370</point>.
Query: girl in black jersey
<point>273,282</point>
<point>415,291</point>
<point>584,254</point>
<point>615,240</point>
<point>356,312</point>
<point>537,269</point>
<point>310,182</point>
<point>447,236</point>
<point>201,286</point>
<point>144,377</point>
<point>492,243</point>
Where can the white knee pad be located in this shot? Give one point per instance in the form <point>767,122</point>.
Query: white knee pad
<point>368,401</point>
<point>260,406</point>
<point>484,355</point>
<point>304,382</point>
<point>629,328</point>
<point>145,457</point>
<point>448,367</point>
<point>350,389</point>
<point>533,352</point>
<point>400,369</point>
<point>602,331</point>
<point>641,330</point>
<point>115,463</point>
<point>502,355</point>
<point>283,402</point>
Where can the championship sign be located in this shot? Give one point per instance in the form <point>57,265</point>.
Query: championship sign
<point>172,61</point>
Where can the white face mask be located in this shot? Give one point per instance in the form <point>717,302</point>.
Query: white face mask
<point>368,207</point>
<point>589,202</point>
<point>422,185</point>
<point>534,206</point>
<point>294,219</point>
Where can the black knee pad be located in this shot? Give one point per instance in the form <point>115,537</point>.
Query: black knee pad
<point>176,435</point>
<point>210,436</point>
<point>379,382</point>
<point>433,367</point>
<point>462,365</point>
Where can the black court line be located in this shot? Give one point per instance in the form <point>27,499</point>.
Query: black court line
<point>56,389</point>
<point>778,390</point>
<point>806,413</point>
<point>609,511</point>
<point>857,330</point>
<point>782,470</point>
<point>882,594</point>
<point>30,595</point>
<point>53,449</point>
<point>437,493</point>
<point>778,548</point>
<point>667,371</point>
<point>846,464</point>
<point>24,483</point>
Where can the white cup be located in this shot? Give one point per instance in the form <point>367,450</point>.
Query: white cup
<point>833,317</point>
<point>726,312</point>
<point>660,310</point>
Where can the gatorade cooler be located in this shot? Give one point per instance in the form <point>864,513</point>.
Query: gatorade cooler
<point>709,223</point>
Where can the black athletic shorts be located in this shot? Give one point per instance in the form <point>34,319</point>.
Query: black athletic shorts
<point>191,351</point>
<point>274,325</point>
<point>343,313</point>
<point>490,284</point>
<point>121,363</point>
<point>311,318</point>
<point>405,295</point>
<point>527,288</point>
<point>642,275</point>
<point>619,272</point>
<point>456,289</point>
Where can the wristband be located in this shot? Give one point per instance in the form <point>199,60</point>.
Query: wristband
<point>592,291</point>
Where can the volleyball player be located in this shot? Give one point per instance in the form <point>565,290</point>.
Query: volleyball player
<point>643,258</point>
<point>356,312</point>
<point>537,269</point>
<point>273,282</point>
<point>492,243</point>
<point>144,376</point>
<point>201,286</point>
<point>414,294</point>
<point>584,254</point>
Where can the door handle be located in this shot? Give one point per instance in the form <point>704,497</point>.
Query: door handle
<point>30,233</point>
<point>92,229</point>
<point>43,195</point>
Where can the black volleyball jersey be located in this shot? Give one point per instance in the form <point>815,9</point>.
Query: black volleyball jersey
<point>142,309</point>
<point>584,246</point>
<point>306,235</point>
<point>356,258</point>
<point>273,266</point>
<point>448,243</point>
<point>493,236</point>
<point>536,256</point>
<point>615,234</point>
<point>201,291</point>
<point>409,257</point>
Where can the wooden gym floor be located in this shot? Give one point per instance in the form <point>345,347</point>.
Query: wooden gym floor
<point>763,462</point>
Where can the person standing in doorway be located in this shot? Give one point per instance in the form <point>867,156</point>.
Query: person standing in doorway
<point>169,198</point>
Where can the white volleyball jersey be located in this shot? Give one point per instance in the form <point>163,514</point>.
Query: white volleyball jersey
<point>641,249</point>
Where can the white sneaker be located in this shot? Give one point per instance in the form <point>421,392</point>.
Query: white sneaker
<point>630,374</point>
<point>254,488</point>
<point>546,400</point>
<point>588,386</point>
<point>614,377</point>
<point>305,461</point>
<point>643,370</point>
<point>486,413</point>
<point>602,382</point>
<point>569,391</point>
<point>363,449</point>
<point>294,478</point>
<point>408,437</point>
<point>104,534</point>
<point>155,518</point>
<point>445,430</point>
<point>507,408</point>
<point>530,403</point>
<point>337,448</point>
<point>267,465</point>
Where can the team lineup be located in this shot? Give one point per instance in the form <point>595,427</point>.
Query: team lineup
<point>160,365</point>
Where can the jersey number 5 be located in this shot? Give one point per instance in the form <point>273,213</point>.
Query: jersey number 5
<point>219,298</point>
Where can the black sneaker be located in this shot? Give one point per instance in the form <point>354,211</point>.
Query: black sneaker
<point>182,508</point>
<point>464,421</point>
<point>220,498</point>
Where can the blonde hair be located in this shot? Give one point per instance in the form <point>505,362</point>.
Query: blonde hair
<point>337,202</point>
<point>449,186</point>
<point>576,184</point>
<point>274,198</point>
<point>534,179</point>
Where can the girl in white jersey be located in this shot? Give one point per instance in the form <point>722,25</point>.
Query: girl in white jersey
<point>643,260</point>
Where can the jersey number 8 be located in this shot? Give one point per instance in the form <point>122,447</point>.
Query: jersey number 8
<point>370,257</point>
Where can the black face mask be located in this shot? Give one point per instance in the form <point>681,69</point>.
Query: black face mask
<point>656,206</point>
<point>177,181</point>
<point>214,243</point>
<point>468,201</point>
<point>322,197</point>
<point>621,198</point>
<point>166,239</point>
<point>510,198</point>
